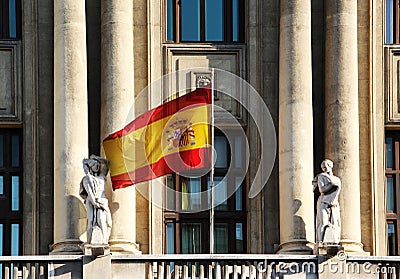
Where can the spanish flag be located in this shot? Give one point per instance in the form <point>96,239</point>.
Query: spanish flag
<point>170,138</point>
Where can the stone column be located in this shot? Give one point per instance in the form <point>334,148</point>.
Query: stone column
<point>117,97</point>
<point>295,129</point>
<point>70,138</point>
<point>341,113</point>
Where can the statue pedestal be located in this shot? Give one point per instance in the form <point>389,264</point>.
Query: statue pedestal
<point>328,249</point>
<point>96,250</point>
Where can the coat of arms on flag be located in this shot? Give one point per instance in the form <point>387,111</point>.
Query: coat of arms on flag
<point>180,134</point>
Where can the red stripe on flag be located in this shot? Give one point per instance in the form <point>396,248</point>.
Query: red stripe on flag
<point>176,162</point>
<point>198,97</point>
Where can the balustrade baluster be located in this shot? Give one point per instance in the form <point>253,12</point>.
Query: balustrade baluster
<point>193,270</point>
<point>245,272</point>
<point>168,272</point>
<point>176,269</point>
<point>201,272</point>
<point>226,271</point>
<point>252,273</point>
<point>160,274</point>
<point>210,271</point>
<point>33,271</point>
<point>151,274</point>
<point>185,271</point>
<point>15,275</point>
<point>236,272</point>
<point>25,269</point>
<point>6,271</point>
<point>218,271</point>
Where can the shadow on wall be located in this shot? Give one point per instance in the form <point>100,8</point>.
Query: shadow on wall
<point>76,207</point>
<point>73,269</point>
<point>299,225</point>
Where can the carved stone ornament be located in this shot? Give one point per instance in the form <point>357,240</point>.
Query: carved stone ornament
<point>203,81</point>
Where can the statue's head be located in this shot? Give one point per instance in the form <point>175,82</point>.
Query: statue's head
<point>327,165</point>
<point>96,165</point>
<point>100,165</point>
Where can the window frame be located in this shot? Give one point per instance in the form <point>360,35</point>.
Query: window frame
<point>393,217</point>
<point>227,23</point>
<point>7,215</point>
<point>230,216</point>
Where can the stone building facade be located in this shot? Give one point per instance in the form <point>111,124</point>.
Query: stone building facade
<point>70,71</point>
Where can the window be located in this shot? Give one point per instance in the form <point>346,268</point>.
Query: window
<point>187,229</point>
<point>392,13</point>
<point>10,19</point>
<point>10,192</point>
<point>204,21</point>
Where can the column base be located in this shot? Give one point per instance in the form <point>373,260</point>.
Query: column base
<point>296,247</point>
<point>67,247</point>
<point>353,247</point>
<point>96,249</point>
<point>124,247</point>
<point>327,249</point>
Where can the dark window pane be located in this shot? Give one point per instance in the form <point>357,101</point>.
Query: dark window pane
<point>191,193</point>
<point>191,238</point>
<point>15,151</point>
<point>238,152</point>
<point>221,238</point>
<point>170,238</point>
<point>190,20</point>
<point>220,193</point>
<point>1,151</point>
<point>15,193</point>
<point>235,20</point>
<point>221,160</point>
<point>13,19</point>
<point>389,153</point>
<point>14,239</point>
<point>1,240</point>
<point>392,240</point>
<point>389,21</point>
<point>171,204</point>
<point>214,20</point>
<point>239,238</point>
<point>170,19</point>
<point>238,194</point>
<point>390,194</point>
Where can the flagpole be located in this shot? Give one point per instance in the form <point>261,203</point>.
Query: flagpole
<point>212,167</point>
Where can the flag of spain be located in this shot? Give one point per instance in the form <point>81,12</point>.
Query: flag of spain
<point>172,137</point>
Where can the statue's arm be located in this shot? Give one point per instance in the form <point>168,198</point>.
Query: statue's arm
<point>85,166</point>
<point>324,184</point>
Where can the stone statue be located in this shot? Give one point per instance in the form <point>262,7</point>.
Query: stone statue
<point>328,210</point>
<point>92,190</point>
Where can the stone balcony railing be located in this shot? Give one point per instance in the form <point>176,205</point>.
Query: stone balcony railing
<point>200,267</point>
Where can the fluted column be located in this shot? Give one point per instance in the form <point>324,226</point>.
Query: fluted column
<point>117,97</point>
<point>341,113</point>
<point>70,139</point>
<point>295,129</point>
